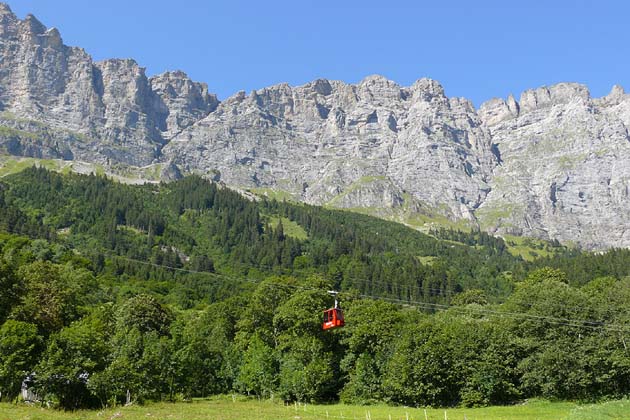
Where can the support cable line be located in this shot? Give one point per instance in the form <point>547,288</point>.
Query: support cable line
<point>596,325</point>
<point>420,289</point>
<point>358,281</point>
<point>575,323</point>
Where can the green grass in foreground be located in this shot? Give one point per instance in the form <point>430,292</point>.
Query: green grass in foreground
<point>225,407</point>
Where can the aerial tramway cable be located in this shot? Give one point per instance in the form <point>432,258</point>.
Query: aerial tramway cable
<point>590,324</point>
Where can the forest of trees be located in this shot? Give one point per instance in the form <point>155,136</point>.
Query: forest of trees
<point>187,289</point>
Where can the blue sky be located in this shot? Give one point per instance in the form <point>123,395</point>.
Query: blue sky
<point>477,49</point>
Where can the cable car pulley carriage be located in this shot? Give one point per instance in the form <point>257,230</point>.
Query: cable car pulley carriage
<point>333,317</point>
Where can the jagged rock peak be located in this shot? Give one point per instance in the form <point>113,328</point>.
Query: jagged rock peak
<point>183,101</point>
<point>175,83</point>
<point>372,88</point>
<point>427,89</point>
<point>110,103</point>
<point>377,80</point>
<point>496,110</point>
<point>51,38</point>
<point>560,93</point>
<point>8,20</point>
<point>33,25</point>
<point>283,88</point>
<point>30,29</point>
<point>378,89</point>
<point>617,90</point>
<point>121,63</point>
<point>320,86</point>
<point>5,10</point>
<point>513,106</point>
<point>271,97</point>
<point>235,99</point>
<point>174,74</point>
<point>616,95</point>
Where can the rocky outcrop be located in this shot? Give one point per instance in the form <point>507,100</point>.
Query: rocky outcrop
<point>318,140</point>
<point>552,164</point>
<point>181,103</point>
<point>563,171</point>
<point>119,115</point>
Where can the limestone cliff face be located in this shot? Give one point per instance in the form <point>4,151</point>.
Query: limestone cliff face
<point>326,139</point>
<point>180,101</point>
<point>552,164</point>
<point>105,112</point>
<point>564,170</point>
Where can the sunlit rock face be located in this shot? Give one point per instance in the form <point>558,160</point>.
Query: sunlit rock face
<point>358,145</point>
<point>564,167</point>
<point>553,164</point>
<point>107,112</point>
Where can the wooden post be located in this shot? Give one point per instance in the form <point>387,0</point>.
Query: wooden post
<point>425,415</point>
<point>445,416</point>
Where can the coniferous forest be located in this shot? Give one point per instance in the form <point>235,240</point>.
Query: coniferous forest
<point>188,289</point>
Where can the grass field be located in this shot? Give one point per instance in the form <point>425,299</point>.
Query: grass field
<point>224,408</point>
<point>289,227</point>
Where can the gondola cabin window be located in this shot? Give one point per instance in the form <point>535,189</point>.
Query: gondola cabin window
<point>333,318</point>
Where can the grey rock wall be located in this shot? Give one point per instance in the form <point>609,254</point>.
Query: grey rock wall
<point>320,140</point>
<point>565,167</point>
<point>120,115</point>
<point>555,164</point>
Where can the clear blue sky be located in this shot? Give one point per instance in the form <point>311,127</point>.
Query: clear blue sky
<point>477,49</point>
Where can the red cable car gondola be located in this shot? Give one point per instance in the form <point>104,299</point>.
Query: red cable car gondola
<point>333,317</point>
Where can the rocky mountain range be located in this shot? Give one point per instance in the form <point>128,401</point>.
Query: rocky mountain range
<point>552,165</point>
